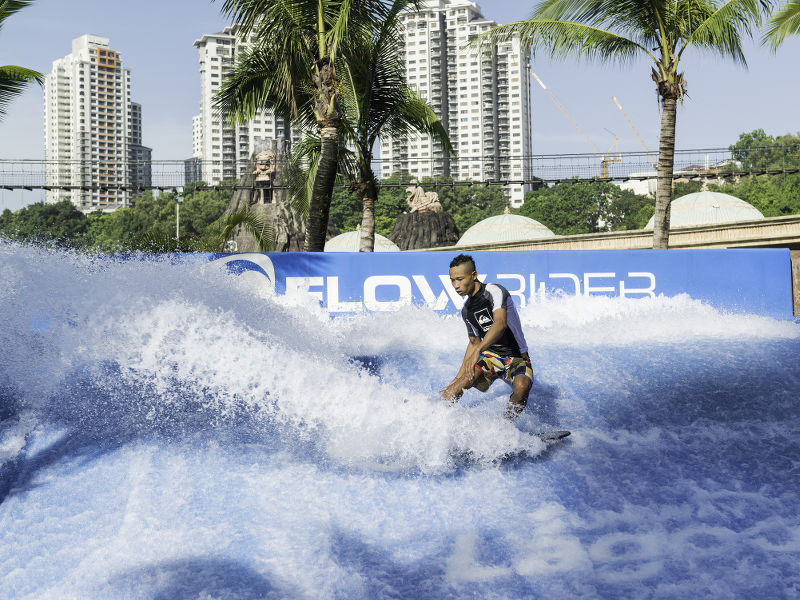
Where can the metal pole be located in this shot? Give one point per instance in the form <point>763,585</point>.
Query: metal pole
<point>178,201</point>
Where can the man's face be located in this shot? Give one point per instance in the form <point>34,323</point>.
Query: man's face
<point>464,278</point>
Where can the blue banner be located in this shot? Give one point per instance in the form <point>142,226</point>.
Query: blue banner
<point>756,281</point>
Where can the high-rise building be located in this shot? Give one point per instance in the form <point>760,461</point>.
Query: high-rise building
<point>140,159</point>
<point>224,151</point>
<point>482,97</point>
<point>92,131</point>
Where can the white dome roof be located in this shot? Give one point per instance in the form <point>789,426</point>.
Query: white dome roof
<point>705,208</point>
<point>351,242</point>
<point>504,228</point>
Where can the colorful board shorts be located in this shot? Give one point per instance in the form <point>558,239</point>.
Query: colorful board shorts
<point>493,366</point>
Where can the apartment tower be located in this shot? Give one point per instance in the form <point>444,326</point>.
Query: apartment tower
<point>481,96</point>
<point>92,131</point>
<point>222,152</point>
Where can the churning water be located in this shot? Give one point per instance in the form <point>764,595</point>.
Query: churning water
<point>165,434</point>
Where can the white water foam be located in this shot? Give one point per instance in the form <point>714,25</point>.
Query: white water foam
<point>164,433</point>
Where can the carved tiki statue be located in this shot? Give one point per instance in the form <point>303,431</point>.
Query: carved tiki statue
<point>264,172</point>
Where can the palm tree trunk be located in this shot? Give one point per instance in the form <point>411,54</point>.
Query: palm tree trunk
<point>368,193</point>
<point>322,191</point>
<point>666,161</point>
<point>329,118</point>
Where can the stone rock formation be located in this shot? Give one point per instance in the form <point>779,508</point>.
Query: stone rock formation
<point>414,231</point>
<point>263,179</point>
<point>425,225</point>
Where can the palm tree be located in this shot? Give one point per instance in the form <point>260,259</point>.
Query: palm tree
<point>13,79</point>
<point>660,30</point>
<point>291,69</point>
<point>783,24</point>
<point>378,101</point>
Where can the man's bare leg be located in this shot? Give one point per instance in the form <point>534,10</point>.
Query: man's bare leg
<point>519,397</point>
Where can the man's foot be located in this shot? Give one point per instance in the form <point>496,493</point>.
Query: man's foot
<point>513,410</point>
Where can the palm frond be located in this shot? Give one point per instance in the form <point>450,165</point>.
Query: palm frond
<point>375,95</point>
<point>783,24</point>
<point>300,172</point>
<point>637,20</point>
<point>13,81</point>
<point>722,30</point>
<point>273,74</point>
<point>339,29</point>
<point>414,114</point>
<point>564,39</point>
<point>253,15</point>
<point>302,169</point>
<point>352,19</point>
<point>624,14</point>
<point>9,7</point>
<point>263,230</point>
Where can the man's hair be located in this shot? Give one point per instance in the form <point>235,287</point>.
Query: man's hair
<point>461,259</point>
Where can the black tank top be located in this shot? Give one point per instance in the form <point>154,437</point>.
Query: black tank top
<point>478,314</point>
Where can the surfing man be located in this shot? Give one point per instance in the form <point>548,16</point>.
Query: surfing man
<point>497,347</point>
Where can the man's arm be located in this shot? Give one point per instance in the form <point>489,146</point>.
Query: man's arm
<point>476,346</point>
<point>466,366</point>
<point>453,390</point>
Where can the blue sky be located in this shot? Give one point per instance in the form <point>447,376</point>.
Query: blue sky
<point>156,41</point>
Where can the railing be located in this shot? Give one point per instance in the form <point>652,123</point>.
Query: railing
<point>34,174</point>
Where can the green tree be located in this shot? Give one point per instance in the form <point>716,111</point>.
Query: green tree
<point>757,151</point>
<point>6,221</point>
<point>773,195</point>
<point>682,188</point>
<point>60,223</point>
<point>148,220</point>
<point>391,201</point>
<point>13,79</point>
<point>118,230</point>
<point>290,68</point>
<point>784,23</point>
<point>587,207</point>
<point>628,210</point>
<point>567,208</point>
<point>659,30</point>
<point>345,210</point>
<point>155,216</point>
<point>201,208</point>
<point>468,204</point>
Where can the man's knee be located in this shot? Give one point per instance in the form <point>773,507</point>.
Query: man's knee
<point>522,384</point>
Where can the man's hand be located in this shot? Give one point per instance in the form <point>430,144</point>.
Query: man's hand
<point>466,374</point>
<point>452,392</point>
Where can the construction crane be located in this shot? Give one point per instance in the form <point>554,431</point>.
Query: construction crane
<point>606,158</point>
<point>636,132</point>
<point>609,156</point>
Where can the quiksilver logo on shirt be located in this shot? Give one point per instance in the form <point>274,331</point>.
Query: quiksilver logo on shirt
<point>483,319</point>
